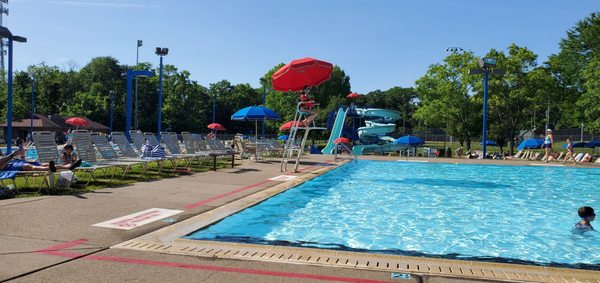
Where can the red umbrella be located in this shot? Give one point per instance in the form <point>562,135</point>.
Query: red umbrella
<point>216,127</point>
<point>77,121</point>
<point>342,140</point>
<point>288,125</point>
<point>300,73</point>
<point>353,95</point>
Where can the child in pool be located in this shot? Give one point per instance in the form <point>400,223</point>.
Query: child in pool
<point>587,215</point>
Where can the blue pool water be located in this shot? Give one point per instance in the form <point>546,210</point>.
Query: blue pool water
<point>495,213</point>
<point>30,154</point>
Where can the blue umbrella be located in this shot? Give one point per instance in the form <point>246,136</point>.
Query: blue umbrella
<point>530,143</point>
<point>409,140</point>
<point>577,144</point>
<point>255,113</point>
<point>283,137</point>
<point>593,144</point>
<point>489,142</point>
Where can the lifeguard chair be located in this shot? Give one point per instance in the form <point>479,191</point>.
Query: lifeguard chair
<point>292,149</point>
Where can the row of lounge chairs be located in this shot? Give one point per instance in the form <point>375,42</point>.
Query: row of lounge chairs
<point>121,156</point>
<point>562,156</point>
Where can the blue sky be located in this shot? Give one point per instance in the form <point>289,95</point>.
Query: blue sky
<point>379,43</point>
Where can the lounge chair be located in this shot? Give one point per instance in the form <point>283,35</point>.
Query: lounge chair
<point>46,148</point>
<point>85,149</point>
<point>244,150</point>
<point>153,141</point>
<point>211,148</point>
<point>108,153</point>
<point>128,151</point>
<point>138,140</point>
<point>171,142</point>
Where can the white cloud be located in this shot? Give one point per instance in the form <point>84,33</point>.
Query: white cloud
<point>104,4</point>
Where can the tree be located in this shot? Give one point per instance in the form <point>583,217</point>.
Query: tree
<point>447,100</point>
<point>575,68</point>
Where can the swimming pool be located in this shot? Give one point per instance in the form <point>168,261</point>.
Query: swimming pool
<point>493,213</point>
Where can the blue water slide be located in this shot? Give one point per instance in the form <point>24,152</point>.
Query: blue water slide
<point>336,131</point>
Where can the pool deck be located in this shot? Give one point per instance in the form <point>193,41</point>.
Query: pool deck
<point>51,238</point>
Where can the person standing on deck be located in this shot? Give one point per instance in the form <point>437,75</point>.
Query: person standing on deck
<point>548,143</point>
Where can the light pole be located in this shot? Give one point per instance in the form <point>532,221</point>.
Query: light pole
<point>214,104</point>
<point>454,50</point>
<point>487,67</point>
<point>137,65</point>
<point>5,33</point>
<point>112,105</point>
<point>32,108</point>
<point>131,74</point>
<point>264,102</point>
<point>160,52</point>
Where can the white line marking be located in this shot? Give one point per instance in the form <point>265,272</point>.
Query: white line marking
<point>137,219</point>
<point>282,178</point>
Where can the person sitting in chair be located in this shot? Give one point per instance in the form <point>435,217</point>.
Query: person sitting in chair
<point>9,163</point>
<point>306,106</point>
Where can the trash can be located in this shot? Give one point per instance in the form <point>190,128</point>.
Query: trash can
<point>442,152</point>
<point>448,152</point>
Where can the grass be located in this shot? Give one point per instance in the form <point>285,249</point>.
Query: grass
<point>102,179</point>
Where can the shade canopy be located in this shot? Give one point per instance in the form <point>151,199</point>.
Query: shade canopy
<point>593,144</point>
<point>409,140</point>
<point>289,124</point>
<point>530,144</point>
<point>489,142</point>
<point>216,127</point>
<point>77,121</point>
<point>254,113</point>
<point>342,140</point>
<point>353,95</point>
<point>283,137</point>
<point>300,73</point>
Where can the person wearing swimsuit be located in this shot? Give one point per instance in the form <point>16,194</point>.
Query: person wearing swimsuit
<point>587,215</point>
<point>548,142</point>
<point>569,152</point>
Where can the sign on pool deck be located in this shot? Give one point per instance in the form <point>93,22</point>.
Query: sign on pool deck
<point>137,219</point>
<point>282,178</point>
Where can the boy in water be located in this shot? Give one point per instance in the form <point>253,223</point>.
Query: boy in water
<point>587,215</point>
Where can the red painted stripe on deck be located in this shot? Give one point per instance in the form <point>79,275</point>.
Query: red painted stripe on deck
<point>209,200</point>
<point>62,246</point>
<point>53,251</point>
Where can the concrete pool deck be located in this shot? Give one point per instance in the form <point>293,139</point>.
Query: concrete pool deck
<point>51,238</point>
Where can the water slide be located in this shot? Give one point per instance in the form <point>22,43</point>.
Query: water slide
<point>336,131</point>
<point>378,121</point>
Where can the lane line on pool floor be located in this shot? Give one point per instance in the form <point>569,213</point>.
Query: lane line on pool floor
<point>57,250</point>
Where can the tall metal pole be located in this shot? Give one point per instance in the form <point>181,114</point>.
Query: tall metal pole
<point>130,76</point>
<point>112,105</point>
<point>548,115</point>
<point>9,116</point>
<point>264,101</point>
<point>160,92</point>
<point>485,110</point>
<point>137,66</point>
<point>32,109</point>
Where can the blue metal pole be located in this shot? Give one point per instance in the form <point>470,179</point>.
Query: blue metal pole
<point>264,101</point>
<point>160,92</point>
<point>128,104</point>
<point>32,109</point>
<point>112,105</point>
<point>9,113</point>
<point>485,110</point>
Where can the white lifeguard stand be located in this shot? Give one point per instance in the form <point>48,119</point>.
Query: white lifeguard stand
<point>292,150</point>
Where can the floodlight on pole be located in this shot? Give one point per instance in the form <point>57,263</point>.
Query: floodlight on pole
<point>160,52</point>
<point>137,66</point>
<point>487,65</point>
<point>454,49</point>
<point>5,33</point>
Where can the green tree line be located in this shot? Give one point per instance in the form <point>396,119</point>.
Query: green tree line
<point>445,97</point>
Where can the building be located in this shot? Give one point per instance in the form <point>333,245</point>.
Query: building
<point>52,123</point>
